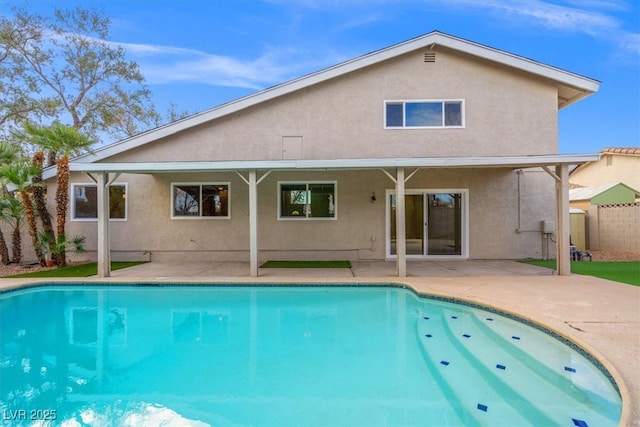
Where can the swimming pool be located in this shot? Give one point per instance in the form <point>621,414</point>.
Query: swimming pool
<point>285,355</point>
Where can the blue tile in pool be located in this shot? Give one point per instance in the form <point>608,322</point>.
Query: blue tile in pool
<point>569,369</point>
<point>428,335</point>
<point>425,318</point>
<point>579,423</point>
<point>499,366</point>
<point>482,407</point>
<point>515,337</point>
<point>466,336</point>
<point>444,362</point>
<point>490,319</point>
<point>454,317</point>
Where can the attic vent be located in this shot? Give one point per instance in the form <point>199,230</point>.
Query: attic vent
<point>429,57</point>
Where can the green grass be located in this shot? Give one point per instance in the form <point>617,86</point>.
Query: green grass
<point>618,271</point>
<point>80,270</point>
<point>306,264</point>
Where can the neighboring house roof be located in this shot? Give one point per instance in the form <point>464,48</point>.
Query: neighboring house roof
<point>588,193</point>
<point>619,151</point>
<point>630,151</point>
<point>586,175</point>
<point>571,87</point>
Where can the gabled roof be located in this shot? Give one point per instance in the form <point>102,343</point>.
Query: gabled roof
<point>588,193</point>
<point>571,87</point>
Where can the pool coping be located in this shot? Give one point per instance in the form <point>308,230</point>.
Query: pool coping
<point>422,286</point>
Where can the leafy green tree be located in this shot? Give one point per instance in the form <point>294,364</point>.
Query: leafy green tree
<point>66,69</point>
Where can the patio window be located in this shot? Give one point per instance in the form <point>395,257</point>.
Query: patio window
<point>200,200</point>
<point>307,200</point>
<point>84,202</point>
<point>84,326</point>
<point>424,114</point>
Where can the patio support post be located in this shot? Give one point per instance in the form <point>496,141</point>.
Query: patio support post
<point>253,223</point>
<point>401,246</point>
<point>563,263</point>
<point>104,252</point>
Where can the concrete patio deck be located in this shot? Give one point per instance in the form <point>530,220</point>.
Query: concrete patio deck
<point>600,315</point>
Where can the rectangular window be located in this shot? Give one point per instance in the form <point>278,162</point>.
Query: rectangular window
<point>195,200</point>
<point>424,114</point>
<point>307,200</point>
<point>84,326</point>
<point>84,202</point>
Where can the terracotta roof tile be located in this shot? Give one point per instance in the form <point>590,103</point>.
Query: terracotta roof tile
<point>622,150</point>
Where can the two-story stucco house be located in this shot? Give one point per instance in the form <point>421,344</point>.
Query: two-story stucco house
<point>435,148</point>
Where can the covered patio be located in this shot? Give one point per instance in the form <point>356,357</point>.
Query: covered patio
<point>398,170</point>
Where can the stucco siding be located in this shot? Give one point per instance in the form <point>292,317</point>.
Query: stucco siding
<point>505,210</point>
<point>619,168</point>
<point>506,113</point>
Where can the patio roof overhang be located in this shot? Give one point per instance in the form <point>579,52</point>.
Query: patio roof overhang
<point>559,162</point>
<point>515,162</point>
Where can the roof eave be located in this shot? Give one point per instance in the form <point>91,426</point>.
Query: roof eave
<point>514,162</point>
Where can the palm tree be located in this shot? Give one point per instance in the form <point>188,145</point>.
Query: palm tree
<point>19,175</point>
<point>41,204</point>
<point>65,141</point>
<point>12,212</point>
<point>8,155</point>
<point>4,251</point>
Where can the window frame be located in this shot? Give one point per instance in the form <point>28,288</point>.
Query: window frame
<point>72,331</point>
<point>72,200</point>
<point>404,103</point>
<point>200,216</point>
<point>305,217</point>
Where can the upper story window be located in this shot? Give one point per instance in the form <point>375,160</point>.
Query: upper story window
<point>424,114</point>
<point>84,202</point>
<point>307,200</point>
<point>200,200</point>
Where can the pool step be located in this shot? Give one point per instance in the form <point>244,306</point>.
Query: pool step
<point>478,396</point>
<point>561,371</point>
<point>471,351</point>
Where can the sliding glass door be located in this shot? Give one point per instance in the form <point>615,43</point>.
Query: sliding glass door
<point>435,223</point>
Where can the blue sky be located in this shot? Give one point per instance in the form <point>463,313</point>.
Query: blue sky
<point>198,54</point>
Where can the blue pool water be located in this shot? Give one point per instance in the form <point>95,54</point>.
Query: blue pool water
<point>280,356</point>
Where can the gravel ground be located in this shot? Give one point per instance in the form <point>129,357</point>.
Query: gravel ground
<point>11,269</point>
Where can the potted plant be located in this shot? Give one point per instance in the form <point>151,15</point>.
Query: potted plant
<point>51,248</point>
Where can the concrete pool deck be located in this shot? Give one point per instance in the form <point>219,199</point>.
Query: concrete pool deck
<point>602,316</point>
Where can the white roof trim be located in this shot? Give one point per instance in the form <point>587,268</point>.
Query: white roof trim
<point>336,164</point>
<point>429,40</point>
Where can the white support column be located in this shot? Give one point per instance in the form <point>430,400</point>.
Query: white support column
<point>253,223</point>
<point>401,239</point>
<point>563,260</point>
<point>104,251</point>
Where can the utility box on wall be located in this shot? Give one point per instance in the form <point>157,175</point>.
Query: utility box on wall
<point>548,227</point>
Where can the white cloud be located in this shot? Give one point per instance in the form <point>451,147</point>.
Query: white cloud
<point>167,64</point>
<point>583,16</point>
